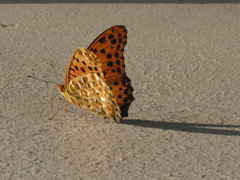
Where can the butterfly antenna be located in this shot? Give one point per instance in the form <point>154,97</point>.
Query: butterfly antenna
<point>42,80</point>
<point>52,103</point>
<point>55,72</point>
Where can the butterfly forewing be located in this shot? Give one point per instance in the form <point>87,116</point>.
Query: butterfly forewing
<point>123,93</point>
<point>83,62</point>
<point>109,48</point>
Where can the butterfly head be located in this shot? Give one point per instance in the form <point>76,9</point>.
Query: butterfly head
<point>62,90</point>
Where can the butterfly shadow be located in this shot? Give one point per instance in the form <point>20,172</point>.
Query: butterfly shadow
<point>217,129</point>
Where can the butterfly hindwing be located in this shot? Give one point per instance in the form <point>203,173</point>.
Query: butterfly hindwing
<point>91,92</point>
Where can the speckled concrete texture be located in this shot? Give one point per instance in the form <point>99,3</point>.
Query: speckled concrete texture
<point>183,60</point>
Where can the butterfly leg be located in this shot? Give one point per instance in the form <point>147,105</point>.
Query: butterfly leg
<point>66,107</point>
<point>86,121</point>
<point>56,110</point>
<point>59,99</point>
<point>52,103</point>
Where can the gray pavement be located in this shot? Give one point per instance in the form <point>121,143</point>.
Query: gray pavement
<point>183,60</point>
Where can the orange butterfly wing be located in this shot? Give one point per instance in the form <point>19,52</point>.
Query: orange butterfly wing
<point>79,65</point>
<point>109,47</point>
<point>85,85</point>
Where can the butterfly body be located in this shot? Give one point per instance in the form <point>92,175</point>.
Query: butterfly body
<point>96,78</point>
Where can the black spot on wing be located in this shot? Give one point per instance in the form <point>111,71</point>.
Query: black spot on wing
<point>118,62</point>
<point>71,69</point>
<point>103,51</point>
<point>113,41</point>
<point>83,70</point>
<point>110,63</point>
<point>110,36</point>
<point>102,40</point>
<point>109,56</point>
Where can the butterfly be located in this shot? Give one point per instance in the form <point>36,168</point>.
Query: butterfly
<point>96,78</point>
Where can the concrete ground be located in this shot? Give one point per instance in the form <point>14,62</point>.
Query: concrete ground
<point>183,60</point>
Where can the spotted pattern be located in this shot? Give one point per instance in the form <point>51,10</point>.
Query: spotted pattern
<point>96,78</point>
<point>92,93</point>
<point>109,48</point>
<point>85,86</point>
<point>123,92</point>
<point>82,62</point>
